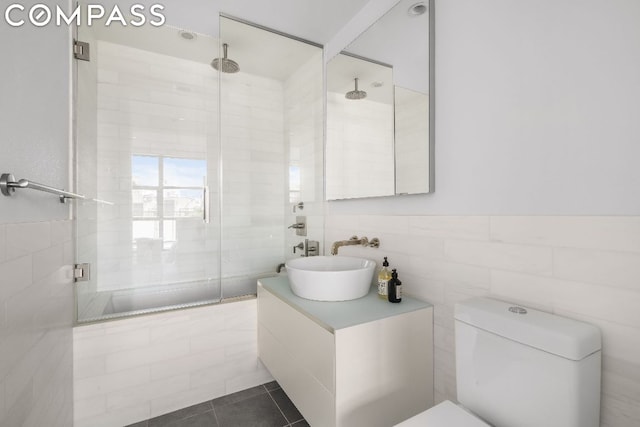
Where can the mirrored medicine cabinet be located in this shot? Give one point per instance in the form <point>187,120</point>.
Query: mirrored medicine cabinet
<point>380,108</point>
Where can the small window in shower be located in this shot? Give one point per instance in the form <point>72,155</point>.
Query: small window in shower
<point>164,190</point>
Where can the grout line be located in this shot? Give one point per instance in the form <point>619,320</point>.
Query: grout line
<point>277,406</point>
<point>215,415</point>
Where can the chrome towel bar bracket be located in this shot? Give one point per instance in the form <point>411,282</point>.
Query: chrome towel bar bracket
<point>8,185</point>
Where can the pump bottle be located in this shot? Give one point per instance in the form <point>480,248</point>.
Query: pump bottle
<point>383,279</point>
<point>394,288</point>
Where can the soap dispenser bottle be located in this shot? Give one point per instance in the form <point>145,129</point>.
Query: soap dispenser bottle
<point>395,288</point>
<point>383,279</point>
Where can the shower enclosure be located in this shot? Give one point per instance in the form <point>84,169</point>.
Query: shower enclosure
<point>196,163</point>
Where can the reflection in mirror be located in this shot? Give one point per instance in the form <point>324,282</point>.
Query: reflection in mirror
<point>402,38</point>
<point>411,133</point>
<point>360,128</point>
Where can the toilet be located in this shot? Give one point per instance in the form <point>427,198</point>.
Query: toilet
<point>519,367</point>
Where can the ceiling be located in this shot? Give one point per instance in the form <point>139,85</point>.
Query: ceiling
<point>257,51</point>
<point>314,20</point>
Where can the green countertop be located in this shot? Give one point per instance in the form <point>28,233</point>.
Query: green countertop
<point>341,314</point>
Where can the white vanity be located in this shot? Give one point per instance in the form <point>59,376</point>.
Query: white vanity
<point>364,362</point>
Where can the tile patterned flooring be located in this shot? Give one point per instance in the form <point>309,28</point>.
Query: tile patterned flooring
<point>266,405</point>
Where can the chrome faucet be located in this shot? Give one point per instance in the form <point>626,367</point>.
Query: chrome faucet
<point>374,243</point>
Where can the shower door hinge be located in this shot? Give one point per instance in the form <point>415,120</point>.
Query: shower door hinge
<point>81,50</point>
<point>82,272</point>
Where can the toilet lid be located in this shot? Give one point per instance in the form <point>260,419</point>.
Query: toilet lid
<point>445,414</point>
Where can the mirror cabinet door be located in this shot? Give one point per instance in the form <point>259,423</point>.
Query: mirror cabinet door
<point>380,135</point>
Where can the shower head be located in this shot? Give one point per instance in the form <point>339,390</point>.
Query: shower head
<point>224,64</point>
<point>356,94</point>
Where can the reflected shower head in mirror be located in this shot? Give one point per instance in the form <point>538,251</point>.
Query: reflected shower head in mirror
<point>224,64</point>
<point>356,94</point>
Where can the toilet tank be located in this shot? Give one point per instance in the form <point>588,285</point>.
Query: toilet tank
<point>519,367</point>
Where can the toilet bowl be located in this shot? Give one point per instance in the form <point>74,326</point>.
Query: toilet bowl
<point>445,414</point>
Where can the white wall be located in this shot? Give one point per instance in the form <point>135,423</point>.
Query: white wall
<point>36,247</point>
<point>536,141</point>
<point>536,107</point>
<point>35,72</point>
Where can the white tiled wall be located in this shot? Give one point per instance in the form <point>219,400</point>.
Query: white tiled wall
<point>411,137</point>
<point>254,159</point>
<point>304,141</point>
<point>36,315</point>
<point>586,268</point>
<point>148,104</point>
<point>130,370</point>
<point>359,133</point>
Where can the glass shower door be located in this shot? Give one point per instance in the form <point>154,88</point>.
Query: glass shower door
<point>147,147</point>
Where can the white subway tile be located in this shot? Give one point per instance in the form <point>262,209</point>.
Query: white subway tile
<point>443,338</point>
<point>425,247</point>
<point>623,412</point>
<point>452,274</point>
<point>450,227</point>
<point>443,316</point>
<point>3,243</point>
<point>613,304</point>
<point>383,224</point>
<point>143,356</point>
<point>112,382</point>
<point>224,371</point>
<point>603,233</point>
<point>61,231</point>
<point>88,367</point>
<point>621,379</point>
<point>47,261</point>
<point>525,259</point>
<point>2,400</point>
<point>15,275</point>
<point>342,222</point>
<point>608,268</point>
<point>26,238</point>
<point>525,289</point>
<point>89,407</point>
<point>108,344</point>
<point>187,364</point>
<point>144,393</point>
<point>81,332</point>
<point>117,417</point>
<point>424,289</point>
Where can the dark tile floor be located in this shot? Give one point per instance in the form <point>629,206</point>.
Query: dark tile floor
<point>266,405</point>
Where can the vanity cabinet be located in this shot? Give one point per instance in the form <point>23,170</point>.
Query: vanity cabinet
<point>364,362</point>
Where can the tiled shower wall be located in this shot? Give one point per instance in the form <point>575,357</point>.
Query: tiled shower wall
<point>36,315</point>
<point>153,104</point>
<point>364,130</point>
<point>253,159</point>
<point>582,267</point>
<point>304,142</point>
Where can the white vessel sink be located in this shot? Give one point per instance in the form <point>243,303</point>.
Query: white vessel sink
<point>330,278</point>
